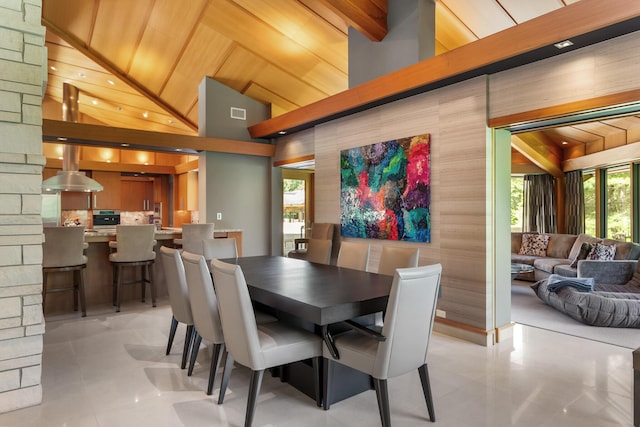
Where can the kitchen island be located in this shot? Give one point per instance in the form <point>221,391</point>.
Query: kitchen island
<point>98,274</point>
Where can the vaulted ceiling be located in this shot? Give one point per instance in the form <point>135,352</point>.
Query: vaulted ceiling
<point>138,63</point>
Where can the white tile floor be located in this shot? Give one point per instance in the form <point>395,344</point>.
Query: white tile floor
<point>111,370</point>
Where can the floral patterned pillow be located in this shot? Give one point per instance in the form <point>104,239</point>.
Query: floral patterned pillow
<point>534,244</point>
<point>602,252</point>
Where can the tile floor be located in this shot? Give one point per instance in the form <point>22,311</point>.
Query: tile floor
<point>111,370</point>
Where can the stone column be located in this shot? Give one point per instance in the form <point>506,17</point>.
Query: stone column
<point>22,79</point>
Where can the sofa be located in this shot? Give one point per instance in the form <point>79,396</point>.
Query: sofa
<point>562,252</point>
<point>613,302</point>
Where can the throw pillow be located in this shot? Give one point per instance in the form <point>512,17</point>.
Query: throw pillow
<point>602,252</point>
<point>534,244</point>
<point>585,249</point>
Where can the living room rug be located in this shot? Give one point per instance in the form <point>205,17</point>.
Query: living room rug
<point>527,309</point>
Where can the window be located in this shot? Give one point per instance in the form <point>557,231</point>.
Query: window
<point>590,200</point>
<point>517,183</point>
<point>617,182</point>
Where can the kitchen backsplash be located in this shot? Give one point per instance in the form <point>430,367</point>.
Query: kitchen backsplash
<point>84,218</point>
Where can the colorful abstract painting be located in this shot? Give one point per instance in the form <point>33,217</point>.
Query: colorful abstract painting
<point>385,190</point>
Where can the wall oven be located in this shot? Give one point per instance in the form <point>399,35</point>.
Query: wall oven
<point>106,218</point>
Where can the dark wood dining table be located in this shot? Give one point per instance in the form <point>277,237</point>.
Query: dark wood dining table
<point>317,293</point>
<point>320,295</point>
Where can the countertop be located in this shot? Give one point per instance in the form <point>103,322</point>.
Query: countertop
<point>166,233</point>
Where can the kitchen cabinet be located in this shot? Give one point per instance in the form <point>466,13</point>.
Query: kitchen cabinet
<point>136,195</point>
<point>109,198</point>
<point>187,197</point>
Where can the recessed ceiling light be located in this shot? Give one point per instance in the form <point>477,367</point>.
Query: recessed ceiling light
<point>108,161</point>
<point>52,68</point>
<point>565,143</point>
<point>563,44</point>
<point>94,102</point>
<point>124,144</point>
<point>145,114</point>
<point>170,121</point>
<point>111,82</point>
<point>61,138</point>
<point>282,132</point>
<point>178,149</point>
<point>119,108</point>
<point>82,75</point>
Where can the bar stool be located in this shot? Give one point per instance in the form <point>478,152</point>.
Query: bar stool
<point>134,249</point>
<point>62,251</point>
<point>193,235</point>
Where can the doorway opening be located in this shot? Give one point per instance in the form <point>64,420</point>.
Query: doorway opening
<point>297,206</point>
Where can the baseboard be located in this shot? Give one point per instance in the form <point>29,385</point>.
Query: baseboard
<point>464,332</point>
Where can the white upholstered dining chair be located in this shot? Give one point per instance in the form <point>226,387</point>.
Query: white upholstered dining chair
<point>193,235</point>
<point>393,257</point>
<point>219,248</point>
<point>402,344</point>
<point>206,316</point>
<point>258,347</point>
<point>178,298</point>
<point>353,255</point>
<point>319,251</point>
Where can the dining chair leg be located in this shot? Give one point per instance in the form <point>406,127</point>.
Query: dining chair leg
<point>188,340</point>
<point>254,391</point>
<point>215,361</point>
<point>194,353</point>
<point>172,334</point>
<point>426,389</point>
<point>382,394</point>
<point>226,374</point>
<point>327,373</point>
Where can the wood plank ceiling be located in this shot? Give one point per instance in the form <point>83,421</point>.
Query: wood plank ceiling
<point>138,63</point>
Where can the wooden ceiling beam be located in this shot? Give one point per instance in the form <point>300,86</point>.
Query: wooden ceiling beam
<point>81,133</point>
<point>542,153</point>
<point>369,17</point>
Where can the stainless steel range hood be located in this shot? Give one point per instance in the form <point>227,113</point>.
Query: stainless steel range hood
<point>70,178</point>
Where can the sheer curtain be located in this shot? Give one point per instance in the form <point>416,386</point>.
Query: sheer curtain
<point>539,204</point>
<point>574,203</point>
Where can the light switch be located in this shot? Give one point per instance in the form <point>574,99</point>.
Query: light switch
<point>219,216</point>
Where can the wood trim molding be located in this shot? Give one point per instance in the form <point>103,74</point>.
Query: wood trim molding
<point>114,167</point>
<point>186,167</point>
<point>293,160</point>
<point>81,133</point>
<point>462,326</point>
<point>567,109</point>
<point>473,59</point>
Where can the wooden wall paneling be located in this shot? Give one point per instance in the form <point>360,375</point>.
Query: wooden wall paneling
<point>294,146</point>
<point>567,80</point>
<point>456,119</point>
